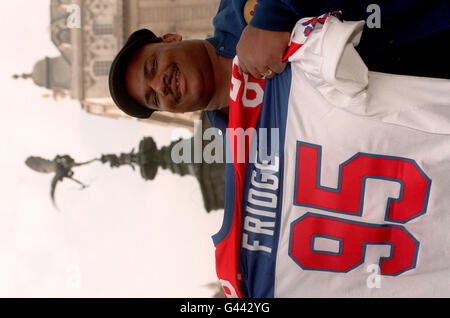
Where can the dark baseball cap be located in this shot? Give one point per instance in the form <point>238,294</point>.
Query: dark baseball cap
<point>117,84</point>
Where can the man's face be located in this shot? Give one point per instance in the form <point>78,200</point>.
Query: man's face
<point>173,75</point>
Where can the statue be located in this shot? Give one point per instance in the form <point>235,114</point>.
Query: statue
<point>148,158</point>
<point>61,166</point>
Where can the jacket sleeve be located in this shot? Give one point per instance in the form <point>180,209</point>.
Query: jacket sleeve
<point>275,15</point>
<point>281,15</point>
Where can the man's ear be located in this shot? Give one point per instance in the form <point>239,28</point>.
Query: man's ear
<point>171,37</point>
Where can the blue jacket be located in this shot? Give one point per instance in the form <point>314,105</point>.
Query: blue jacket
<point>410,41</point>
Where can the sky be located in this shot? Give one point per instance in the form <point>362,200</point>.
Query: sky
<point>120,237</point>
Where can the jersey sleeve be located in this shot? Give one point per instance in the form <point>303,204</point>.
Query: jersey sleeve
<point>327,54</point>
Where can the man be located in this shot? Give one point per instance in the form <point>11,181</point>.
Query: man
<point>296,227</point>
<point>408,42</point>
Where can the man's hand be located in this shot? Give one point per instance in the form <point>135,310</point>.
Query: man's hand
<point>261,50</point>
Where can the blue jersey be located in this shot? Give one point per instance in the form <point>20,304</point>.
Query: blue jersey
<point>340,176</point>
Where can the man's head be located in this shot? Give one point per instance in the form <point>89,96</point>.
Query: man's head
<point>152,73</point>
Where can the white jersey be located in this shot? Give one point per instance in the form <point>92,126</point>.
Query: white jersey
<point>356,200</point>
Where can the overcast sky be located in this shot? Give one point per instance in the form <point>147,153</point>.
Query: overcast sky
<point>120,237</point>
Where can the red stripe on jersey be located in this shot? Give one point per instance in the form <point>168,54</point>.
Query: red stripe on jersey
<point>245,105</point>
<point>291,50</point>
